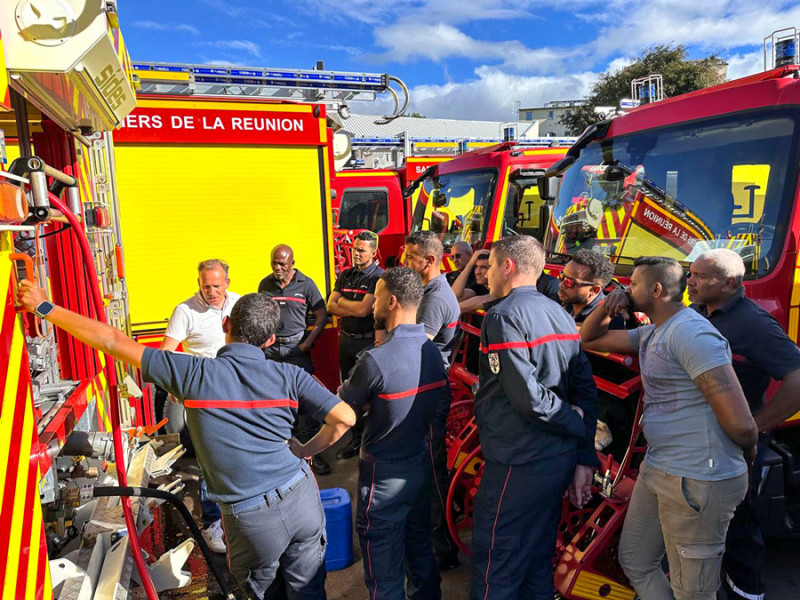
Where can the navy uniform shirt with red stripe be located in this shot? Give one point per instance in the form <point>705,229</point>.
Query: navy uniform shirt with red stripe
<point>300,296</point>
<point>760,347</point>
<point>439,313</point>
<point>404,382</point>
<point>240,409</point>
<point>532,371</point>
<point>354,284</point>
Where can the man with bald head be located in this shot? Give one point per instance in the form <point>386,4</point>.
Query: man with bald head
<point>461,253</point>
<point>296,295</point>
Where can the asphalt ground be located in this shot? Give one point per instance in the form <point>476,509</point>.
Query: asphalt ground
<point>783,555</point>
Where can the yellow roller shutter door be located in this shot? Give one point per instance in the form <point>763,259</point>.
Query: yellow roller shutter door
<point>180,204</point>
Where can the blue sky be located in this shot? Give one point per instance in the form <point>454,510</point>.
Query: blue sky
<point>470,59</point>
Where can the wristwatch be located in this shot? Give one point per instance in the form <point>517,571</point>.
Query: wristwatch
<point>44,309</point>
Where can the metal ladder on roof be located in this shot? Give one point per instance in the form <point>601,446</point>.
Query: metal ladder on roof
<point>317,86</point>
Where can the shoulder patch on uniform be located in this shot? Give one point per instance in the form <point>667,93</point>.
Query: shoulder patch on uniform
<point>494,362</point>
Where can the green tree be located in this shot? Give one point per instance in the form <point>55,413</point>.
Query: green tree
<point>416,115</point>
<point>680,76</point>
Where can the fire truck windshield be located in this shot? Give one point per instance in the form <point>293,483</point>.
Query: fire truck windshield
<point>455,205</point>
<point>677,191</point>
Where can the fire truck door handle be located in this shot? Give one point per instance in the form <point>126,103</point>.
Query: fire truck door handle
<point>28,262</point>
<point>120,265</point>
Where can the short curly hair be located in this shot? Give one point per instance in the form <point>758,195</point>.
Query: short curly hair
<point>600,266</point>
<point>254,318</point>
<point>404,284</point>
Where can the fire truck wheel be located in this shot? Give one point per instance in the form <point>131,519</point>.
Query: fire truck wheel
<point>461,498</point>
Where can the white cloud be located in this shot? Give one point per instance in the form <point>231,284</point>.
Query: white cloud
<point>247,46</point>
<point>489,96</point>
<point>407,42</point>
<point>712,25</point>
<point>155,26</point>
<point>741,65</point>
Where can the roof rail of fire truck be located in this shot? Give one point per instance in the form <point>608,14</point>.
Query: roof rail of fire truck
<point>318,86</point>
<point>452,145</point>
<point>782,48</point>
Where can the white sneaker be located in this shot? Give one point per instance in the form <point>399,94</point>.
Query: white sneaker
<point>215,537</point>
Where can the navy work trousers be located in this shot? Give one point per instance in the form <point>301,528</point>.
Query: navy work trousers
<point>517,512</point>
<point>444,548</point>
<point>393,521</point>
<point>283,529</point>
<point>745,550</point>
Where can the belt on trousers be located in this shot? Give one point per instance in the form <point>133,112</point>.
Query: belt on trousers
<point>290,339</point>
<point>359,336</point>
<point>268,498</point>
<point>367,457</point>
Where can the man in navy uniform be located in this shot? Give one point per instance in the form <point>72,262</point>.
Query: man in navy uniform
<point>439,313</point>
<point>535,411</point>
<point>404,383</point>
<point>351,300</point>
<point>296,295</point>
<point>761,351</point>
<point>240,410</point>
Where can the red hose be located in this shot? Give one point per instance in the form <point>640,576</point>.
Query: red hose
<point>111,375</point>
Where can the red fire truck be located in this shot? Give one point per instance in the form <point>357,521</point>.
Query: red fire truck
<point>373,199</point>
<point>382,200</point>
<point>714,168</point>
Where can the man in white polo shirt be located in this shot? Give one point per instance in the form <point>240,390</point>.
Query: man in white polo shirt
<point>197,323</point>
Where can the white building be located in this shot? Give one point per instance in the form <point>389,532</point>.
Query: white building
<point>547,118</point>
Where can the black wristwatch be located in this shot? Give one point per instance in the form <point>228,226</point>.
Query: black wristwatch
<point>44,309</point>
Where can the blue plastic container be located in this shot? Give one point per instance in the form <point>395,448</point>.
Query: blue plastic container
<point>339,527</point>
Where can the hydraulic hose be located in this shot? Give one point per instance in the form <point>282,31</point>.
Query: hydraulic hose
<point>187,516</point>
<point>111,376</point>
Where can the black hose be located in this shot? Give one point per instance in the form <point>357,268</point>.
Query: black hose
<point>187,516</point>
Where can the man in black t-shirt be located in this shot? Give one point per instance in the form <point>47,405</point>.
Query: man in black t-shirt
<point>351,300</point>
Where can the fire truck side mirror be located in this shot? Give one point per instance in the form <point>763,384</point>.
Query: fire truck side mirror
<point>548,188</point>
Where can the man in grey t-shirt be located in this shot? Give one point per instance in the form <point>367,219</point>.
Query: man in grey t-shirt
<point>696,421</point>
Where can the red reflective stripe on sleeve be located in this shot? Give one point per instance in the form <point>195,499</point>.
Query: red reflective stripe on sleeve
<point>451,325</point>
<point>554,337</point>
<point>739,357</point>
<point>246,404</point>
<point>287,299</point>
<point>416,390</point>
<point>356,291</point>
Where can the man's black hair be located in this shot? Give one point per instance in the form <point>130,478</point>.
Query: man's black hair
<point>600,267</point>
<point>428,243</point>
<point>254,318</point>
<point>367,236</point>
<point>404,284</point>
<point>666,271</point>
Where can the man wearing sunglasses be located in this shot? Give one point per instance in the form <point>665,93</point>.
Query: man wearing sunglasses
<point>581,284</point>
<point>461,253</point>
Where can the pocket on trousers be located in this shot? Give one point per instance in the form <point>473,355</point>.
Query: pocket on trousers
<point>323,547</point>
<point>699,566</point>
<point>497,554</point>
<point>694,494</point>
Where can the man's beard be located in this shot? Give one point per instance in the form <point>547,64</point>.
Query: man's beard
<point>380,324</point>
